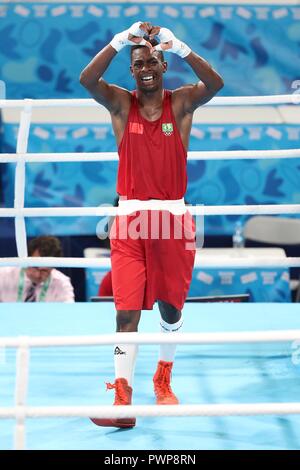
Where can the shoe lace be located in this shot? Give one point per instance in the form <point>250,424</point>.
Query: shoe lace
<point>163,382</point>
<point>109,386</point>
<point>121,397</point>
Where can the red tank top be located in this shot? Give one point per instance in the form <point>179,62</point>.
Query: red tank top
<point>152,158</point>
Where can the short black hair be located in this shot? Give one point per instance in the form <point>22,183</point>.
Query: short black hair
<point>153,42</point>
<point>46,246</point>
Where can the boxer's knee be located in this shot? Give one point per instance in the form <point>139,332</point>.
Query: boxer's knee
<point>128,320</point>
<point>169,313</point>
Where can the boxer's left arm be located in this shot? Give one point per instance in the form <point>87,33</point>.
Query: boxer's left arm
<point>206,88</point>
<point>192,96</point>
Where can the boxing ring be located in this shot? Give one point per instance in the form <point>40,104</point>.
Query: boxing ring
<point>212,378</point>
<point>245,364</point>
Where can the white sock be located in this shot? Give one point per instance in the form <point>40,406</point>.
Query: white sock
<point>124,358</point>
<point>167,351</point>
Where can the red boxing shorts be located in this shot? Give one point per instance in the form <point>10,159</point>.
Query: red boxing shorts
<point>152,257</point>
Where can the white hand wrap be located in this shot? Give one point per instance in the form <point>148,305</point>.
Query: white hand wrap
<point>177,47</point>
<point>121,40</point>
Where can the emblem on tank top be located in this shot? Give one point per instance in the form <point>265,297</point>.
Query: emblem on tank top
<point>167,128</point>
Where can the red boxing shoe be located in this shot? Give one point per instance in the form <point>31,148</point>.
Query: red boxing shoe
<point>162,384</point>
<point>123,396</point>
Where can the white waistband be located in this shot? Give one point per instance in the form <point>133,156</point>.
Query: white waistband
<point>175,206</point>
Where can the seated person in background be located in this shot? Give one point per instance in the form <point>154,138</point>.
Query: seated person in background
<point>36,284</point>
<point>105,288</point>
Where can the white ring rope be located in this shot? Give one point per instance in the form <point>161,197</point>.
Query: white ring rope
<point>245,409</point>
<point>22,144</point>
<point>216,261</point>
<point>217,101</point>
<point>200,210</point>
<point>235,337</point>
<point>113,156</point>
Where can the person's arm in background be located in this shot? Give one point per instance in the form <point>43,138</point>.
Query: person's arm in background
<point>111,96</point>
<point>68,295</point>
<point>210,82</point>
<point>1,284</point>
<point>61,289</point>
<point>9,278</point>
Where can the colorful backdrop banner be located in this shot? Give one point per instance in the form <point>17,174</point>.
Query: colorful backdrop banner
<point>44,46</point>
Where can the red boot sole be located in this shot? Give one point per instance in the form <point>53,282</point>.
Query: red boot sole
<point>115,423</point>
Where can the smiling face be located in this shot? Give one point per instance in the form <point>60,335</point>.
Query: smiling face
<point>147,68</point>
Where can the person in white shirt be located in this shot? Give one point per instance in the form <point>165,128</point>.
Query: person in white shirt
<point>37,284</point>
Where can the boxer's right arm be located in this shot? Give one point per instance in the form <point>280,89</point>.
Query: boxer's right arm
<point>111,96</point>
<point>91,78</point>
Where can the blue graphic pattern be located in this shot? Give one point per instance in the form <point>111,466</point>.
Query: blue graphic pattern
<point>247,44</point>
